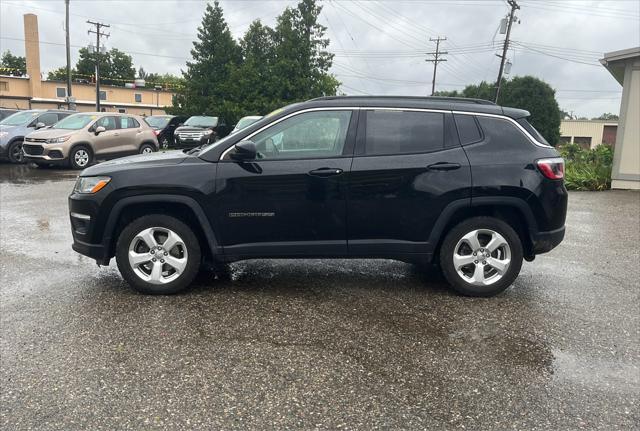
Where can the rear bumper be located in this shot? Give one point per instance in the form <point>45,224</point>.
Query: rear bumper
<point>547,241</point>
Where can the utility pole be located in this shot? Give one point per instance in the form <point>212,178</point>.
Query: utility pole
<point>512,16</point>
<point>98,33</point>
<point>66,4</point>
<point>436,59</point>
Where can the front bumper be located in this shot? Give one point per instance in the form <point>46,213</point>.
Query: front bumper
<point>544,242</point>
<point>85,228</point>
<point>40,153</point>
<point>189,143</point>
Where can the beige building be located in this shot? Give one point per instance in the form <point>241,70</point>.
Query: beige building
<point>625,67</point>
<point>588,133</point>
<point>32,92</point>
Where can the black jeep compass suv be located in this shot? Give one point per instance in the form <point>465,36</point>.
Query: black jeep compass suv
<point>461,183</point>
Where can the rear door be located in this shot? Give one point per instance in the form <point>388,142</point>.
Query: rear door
<point>130,140</point>
<point>291,200</point>
<point>408,166</point>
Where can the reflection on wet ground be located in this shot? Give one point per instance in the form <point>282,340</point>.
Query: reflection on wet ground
<point>317,343</point>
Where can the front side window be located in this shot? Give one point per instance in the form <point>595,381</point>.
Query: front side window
<point>403,132</point>
<point>109,123</point>
<point>318,134</point>
<point>48,119</point>
<point>502,131</point>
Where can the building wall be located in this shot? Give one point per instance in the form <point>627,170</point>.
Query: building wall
<point>626,161</point>
<point>591,129</point>
<point>15,93</point>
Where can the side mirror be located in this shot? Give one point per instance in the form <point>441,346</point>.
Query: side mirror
<point>99,130</point>
<point>40,125</point>
<point>244,150</point>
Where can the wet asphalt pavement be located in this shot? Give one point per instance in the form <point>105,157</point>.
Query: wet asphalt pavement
<point>330,344</point>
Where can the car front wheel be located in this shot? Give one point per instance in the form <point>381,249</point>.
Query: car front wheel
<point>158,254</point>
<point>481,256</point>
<point>15,153</point>
<point>80,157</point>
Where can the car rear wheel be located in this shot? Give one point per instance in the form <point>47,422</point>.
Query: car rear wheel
<point>80,157</point>
<point>481,256</point>
<point>158,255</point>
<point>164,143</point>
<point>147,149</point>
<point>15,153</point>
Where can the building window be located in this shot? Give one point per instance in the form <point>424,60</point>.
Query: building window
<point>61,92</point>
<point>565,139</point>
<point>138,97</point>
<point>122,110</point>
<point>583,141</point>
<point>4,86</point>
<point>103,95</point>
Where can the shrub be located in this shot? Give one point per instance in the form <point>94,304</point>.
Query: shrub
<point>587,169</point>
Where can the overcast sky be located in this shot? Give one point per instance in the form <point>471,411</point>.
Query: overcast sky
<point>380,46</point>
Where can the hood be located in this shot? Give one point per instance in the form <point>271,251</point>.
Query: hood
<point>133,162</point>
<point>191,128</point>
<point>50,133</point>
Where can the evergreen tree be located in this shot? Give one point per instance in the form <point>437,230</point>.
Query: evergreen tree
<point>215,54</point>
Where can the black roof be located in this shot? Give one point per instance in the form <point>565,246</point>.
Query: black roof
<point>427,102</point>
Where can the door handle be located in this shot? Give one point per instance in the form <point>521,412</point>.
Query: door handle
<point>325,172</point>
<point>443,166</point>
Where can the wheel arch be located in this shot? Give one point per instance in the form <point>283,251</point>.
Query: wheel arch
<point>182,207</point>
<point>514,211</point>
<point>155,145</point>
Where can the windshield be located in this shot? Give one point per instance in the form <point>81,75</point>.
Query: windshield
<point>74,122</point>
<point>202,121</point>
<point>246,121</point>
<point>19,118</point>
<point>532,130</point>
<point>159,122</point>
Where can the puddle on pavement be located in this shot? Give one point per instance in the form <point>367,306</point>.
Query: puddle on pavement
<point>30,174</point>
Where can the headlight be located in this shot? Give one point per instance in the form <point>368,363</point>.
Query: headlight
<point>207,132</point>
<point>90,185</point>
<point>59,140</point>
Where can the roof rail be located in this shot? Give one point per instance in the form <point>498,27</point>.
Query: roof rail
<point>423,98</point>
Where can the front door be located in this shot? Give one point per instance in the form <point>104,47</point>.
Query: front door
<point>408,166</point>
<point>291,200</point>
<point>106,143</point>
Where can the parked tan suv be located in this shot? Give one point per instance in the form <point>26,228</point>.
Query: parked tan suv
<point>79,139</point>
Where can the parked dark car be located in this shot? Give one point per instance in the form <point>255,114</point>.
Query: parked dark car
<point>4,113</point>
<point>164,127</point>
<point>199,131</point>
<point>461,183</point>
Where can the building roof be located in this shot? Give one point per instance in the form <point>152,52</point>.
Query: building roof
<point>615,61</point>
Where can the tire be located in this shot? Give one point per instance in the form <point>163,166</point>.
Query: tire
<point>15,153</point>
<point>164,143</point>
<point>147,149</point>
<point>492,269</point>
<point>158,277</point>
<point>80,157</point>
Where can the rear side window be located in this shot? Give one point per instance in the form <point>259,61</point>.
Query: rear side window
<point>467,129</point>
<point>502,131</point>
<point>128,123</point>
<point>403,132</point>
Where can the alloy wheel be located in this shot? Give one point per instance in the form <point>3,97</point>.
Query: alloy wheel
<point>147,150</point>
<point>81,157</point>
<point>158,255</point>
<point>16,153</point>
<point>482,257</point>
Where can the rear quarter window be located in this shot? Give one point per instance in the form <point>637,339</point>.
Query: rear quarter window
<point>468,130</point>
<point>502,132</point>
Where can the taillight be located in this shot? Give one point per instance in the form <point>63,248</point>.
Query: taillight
<point>552,168</point>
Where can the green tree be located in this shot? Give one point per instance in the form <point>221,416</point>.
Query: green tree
<point>215,54</point>
<point>121,65</point>
<point>608,116</point>
<point>116,67</point>
<point>13,64</point>
<point>59,74</point>
<point>524,92</point>
<point>302,60</point>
